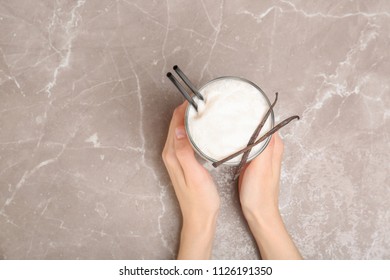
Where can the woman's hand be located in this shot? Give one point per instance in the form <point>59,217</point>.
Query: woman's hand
<point>259,182</point>
<point>259,193</point>
<point>195,191</point>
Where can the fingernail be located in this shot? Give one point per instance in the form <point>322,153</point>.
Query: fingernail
<point>180,132</point>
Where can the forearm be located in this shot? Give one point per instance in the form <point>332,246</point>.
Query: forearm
<point>196,240</point>
<point>272,238</point>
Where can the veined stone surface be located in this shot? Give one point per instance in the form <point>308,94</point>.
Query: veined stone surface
<point>85,107</point>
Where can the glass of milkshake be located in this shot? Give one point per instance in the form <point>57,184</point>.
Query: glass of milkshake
<point>225,121</point>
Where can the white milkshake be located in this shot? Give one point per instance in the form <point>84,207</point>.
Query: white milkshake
<point>225,122</point>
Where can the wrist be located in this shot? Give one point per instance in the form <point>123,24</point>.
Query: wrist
<point>200,225</point>
<point>260,218</point>
<point>271,236</point>
<point>197,236</point>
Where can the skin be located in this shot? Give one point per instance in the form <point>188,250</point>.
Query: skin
<point>195,190</point>
<point>259,192</point>
<point>199,201</point>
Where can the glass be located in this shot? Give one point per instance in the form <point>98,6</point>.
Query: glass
<point>236,160</point>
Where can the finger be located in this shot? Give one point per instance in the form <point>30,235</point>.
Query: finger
<point>178,114</point>
<point>185,154</point>
<point>265,158</point>
<point>169,155</point>
<point>177,119</point>
<point>277,153</point>
<point>174,170</point>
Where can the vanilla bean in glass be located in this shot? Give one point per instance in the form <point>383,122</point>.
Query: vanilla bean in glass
<point>272,131</point>
<point>253,139</point>
<point>232,110</point>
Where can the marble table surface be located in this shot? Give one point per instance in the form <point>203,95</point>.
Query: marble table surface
<point>85,106</point>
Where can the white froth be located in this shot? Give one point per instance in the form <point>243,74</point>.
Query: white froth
<point>226,120</point>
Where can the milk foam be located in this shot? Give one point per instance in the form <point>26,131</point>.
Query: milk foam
<point>224,123</point>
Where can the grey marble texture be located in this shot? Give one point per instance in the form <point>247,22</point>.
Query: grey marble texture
<point>85,106</point>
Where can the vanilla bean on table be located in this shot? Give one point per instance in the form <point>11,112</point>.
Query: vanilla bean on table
<point>272,131</point>
<point>253,138</point>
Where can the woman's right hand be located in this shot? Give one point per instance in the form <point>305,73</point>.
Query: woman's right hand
<point>195,190</point>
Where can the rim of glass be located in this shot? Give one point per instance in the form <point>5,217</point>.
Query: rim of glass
<point>199,151</point>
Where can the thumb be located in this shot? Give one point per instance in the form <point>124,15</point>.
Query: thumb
<point>265,158</point>
<point>184,151</point>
